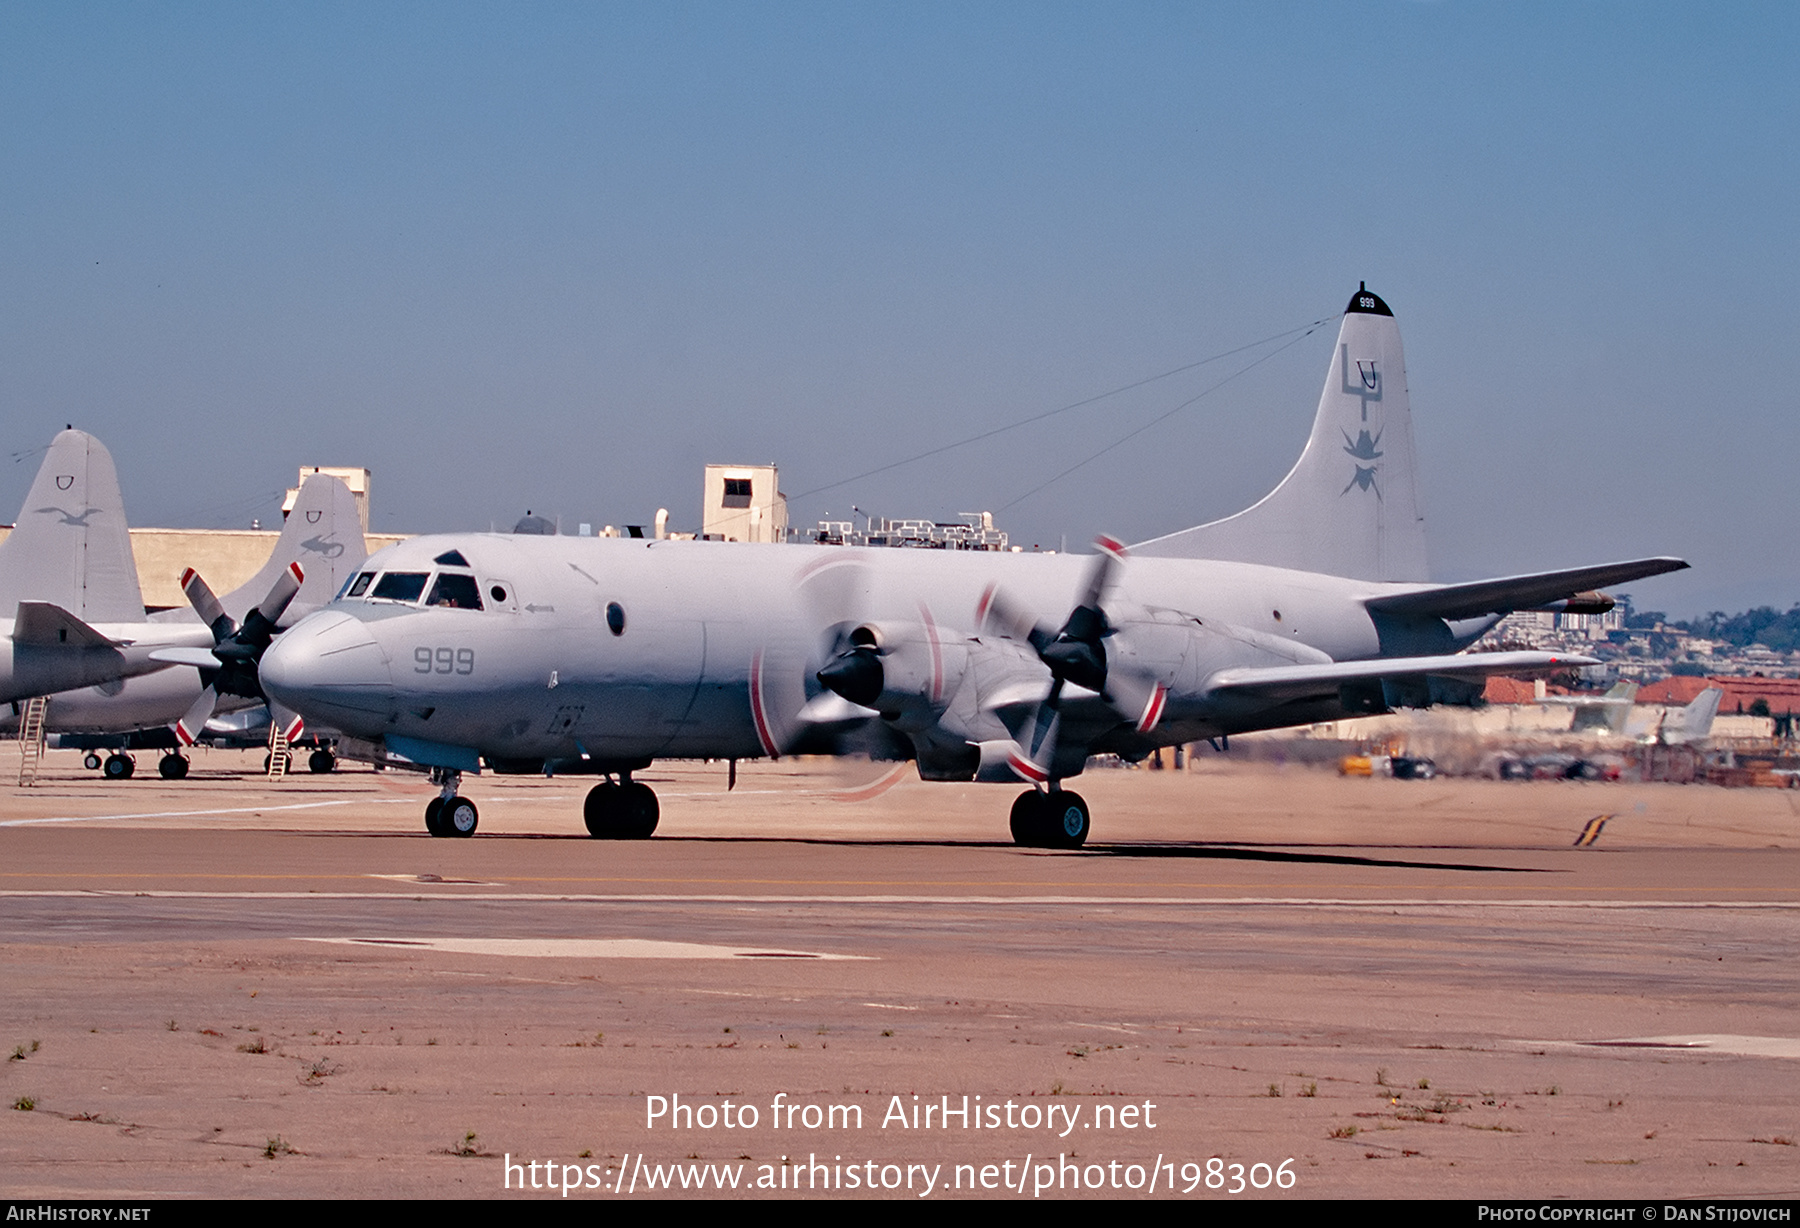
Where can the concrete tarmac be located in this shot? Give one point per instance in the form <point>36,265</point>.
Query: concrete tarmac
<point>223,987</point>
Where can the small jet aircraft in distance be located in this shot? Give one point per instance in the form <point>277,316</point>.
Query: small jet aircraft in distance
<point>561,654</point>
<point>1667,725</point>
<point>1604,713</point>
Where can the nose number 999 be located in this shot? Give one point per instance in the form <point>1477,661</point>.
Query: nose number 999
<point>443,660</point>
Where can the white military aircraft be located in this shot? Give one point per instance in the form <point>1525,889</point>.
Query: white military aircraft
<point>563,654</point>
<point>79,632</point>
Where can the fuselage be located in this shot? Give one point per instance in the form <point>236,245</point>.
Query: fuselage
<point>620,649</point>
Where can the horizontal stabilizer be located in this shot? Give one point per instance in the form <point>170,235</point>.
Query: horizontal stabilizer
<point>1288,682</point>
<point>1509,593</point>
<point>42,625</point>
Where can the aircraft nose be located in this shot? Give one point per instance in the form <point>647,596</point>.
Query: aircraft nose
<point>330,669</point>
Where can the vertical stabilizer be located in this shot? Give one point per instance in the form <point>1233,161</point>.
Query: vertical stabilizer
<point>324,535</point>
<point>1610,713</point>
<point>1694,722</point>
<point>1350,505</point>
<point>71,546</point>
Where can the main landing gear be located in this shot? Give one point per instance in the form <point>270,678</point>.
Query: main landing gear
<point>1052,819</point>
<point>173,766</point>
<point>448,814</point>
<point>624,810</point>
<point>118,766</point>
<point>618,809</point>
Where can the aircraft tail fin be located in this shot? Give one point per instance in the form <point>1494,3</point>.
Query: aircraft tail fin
<point>1610,713</point>
<point>1350,505</point>
<point>71,546</point>
<point>1694,722</point>
<point>324,535</point>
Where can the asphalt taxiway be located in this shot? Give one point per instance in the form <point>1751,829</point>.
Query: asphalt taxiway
<point>225,987</point>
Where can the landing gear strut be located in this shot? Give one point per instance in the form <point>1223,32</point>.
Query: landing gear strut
<point>1056,819</point>
<point>624,810</point>
<point>448,814</point>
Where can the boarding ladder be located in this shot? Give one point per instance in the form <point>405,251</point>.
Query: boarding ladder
<point>278,750</point>
<point>31,738</point>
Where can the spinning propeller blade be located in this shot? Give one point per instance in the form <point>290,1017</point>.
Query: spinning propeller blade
<point>1075,654</point>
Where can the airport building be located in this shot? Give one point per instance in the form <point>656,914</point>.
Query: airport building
<point>743,503</point>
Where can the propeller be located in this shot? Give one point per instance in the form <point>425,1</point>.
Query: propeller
<point>236,651</point>
<point>832,592</point>
<point>876,684</point>
<point>1074,654</point>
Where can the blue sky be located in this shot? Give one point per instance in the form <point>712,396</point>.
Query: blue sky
<point>558,256</point>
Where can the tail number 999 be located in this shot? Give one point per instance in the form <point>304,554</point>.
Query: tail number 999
<point>443,660</point>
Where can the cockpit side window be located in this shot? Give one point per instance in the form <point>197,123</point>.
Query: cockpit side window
<point>400,586</point>
<point>360,585</point>
<point>458,592</point>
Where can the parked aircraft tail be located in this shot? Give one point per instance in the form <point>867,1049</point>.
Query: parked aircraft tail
<point>1694,722</point>
<point>1608,713</point>
<point>324,535</point>
<point>1350,505</point>
<point>71,546</point>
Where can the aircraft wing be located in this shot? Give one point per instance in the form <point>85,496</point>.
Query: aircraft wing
<point>1509,593</point>
<point>43,625</point>
<point>1282,683</point>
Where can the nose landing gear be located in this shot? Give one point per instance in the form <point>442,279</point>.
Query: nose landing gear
<point>447,814</point>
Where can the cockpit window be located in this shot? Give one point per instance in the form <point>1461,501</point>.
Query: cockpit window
<point>458,592</point>
<point>400,586</point>
<point>451,558</point>
<point>360,585</point>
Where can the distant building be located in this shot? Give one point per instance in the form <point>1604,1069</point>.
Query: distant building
<point>743,503</point>
<point>1778,695</point>
<point>970,531</point>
